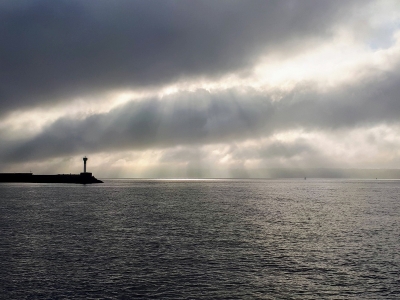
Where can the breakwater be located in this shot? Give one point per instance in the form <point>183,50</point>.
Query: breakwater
<point>82,178</point>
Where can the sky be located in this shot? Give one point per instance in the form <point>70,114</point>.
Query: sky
<point>172,89</point>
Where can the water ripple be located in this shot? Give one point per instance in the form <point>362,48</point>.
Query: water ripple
<point>260,239</point>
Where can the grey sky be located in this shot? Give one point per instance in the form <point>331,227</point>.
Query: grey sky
<point>52,50</point>
<point>267,81</point>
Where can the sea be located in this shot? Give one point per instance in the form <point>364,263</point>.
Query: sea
<point>201,239</point>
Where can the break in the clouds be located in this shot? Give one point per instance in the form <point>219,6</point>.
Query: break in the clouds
<point>199,89</point>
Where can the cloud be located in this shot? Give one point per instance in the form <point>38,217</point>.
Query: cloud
<point>224,116</point>
<point>209,88</point>
<point>57,50</point>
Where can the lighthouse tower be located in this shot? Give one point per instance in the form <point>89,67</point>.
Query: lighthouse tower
<point>85,177</point>
<point>84,164</point>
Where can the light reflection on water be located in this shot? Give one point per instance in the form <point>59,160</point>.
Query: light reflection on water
<point>201,239</point>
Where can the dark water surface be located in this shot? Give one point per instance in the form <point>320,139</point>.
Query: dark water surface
<point>211,239</point>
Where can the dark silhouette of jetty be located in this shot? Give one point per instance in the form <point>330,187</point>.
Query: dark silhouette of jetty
<point>82,178</point>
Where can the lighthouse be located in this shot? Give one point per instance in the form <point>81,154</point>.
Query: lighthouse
<point>84,164</point>
<point>85,177</point>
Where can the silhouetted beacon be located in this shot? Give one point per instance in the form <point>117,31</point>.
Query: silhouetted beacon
<point>87,177</point>
<point>84,164</point>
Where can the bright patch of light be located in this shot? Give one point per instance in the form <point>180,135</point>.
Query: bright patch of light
<point>25,123</point>
<point>326,66</point>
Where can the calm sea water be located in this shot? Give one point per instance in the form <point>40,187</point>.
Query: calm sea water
<point>207,239</point>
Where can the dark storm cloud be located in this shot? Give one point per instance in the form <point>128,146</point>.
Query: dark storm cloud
<point>201,117</point>
<point>52,50</point>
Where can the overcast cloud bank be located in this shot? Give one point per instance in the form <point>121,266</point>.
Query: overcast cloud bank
<point>236,85</point>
